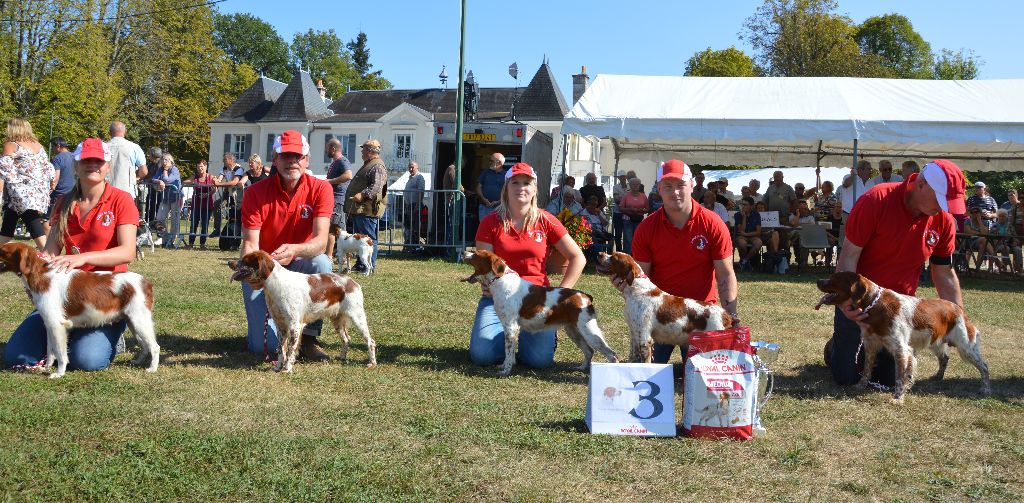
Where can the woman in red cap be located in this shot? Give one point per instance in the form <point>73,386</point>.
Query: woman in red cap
<point>93,229</point>
<point>521,233</point>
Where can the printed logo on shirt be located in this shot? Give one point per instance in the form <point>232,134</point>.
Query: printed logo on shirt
<point>305,211</point>
<point>931,238</point>
<point>106,218</point>
<point>699,241</point>
<point>538,236</point>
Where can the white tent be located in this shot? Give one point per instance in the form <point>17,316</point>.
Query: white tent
<point>792,176</point>
<point>774,121</point>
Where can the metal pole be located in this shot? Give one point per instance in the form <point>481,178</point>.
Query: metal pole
<point>855,176</point>
<point>459,116</point>
<point>49,144</point>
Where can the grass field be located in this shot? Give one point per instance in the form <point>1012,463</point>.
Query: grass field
<point>216,424</point>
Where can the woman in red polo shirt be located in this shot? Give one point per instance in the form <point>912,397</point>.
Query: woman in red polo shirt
<point>521,233</point>
<point>94,229</point>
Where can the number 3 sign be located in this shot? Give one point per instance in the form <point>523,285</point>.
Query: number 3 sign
<point>631,399</point>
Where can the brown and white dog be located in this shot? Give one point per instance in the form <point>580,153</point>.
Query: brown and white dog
<point>295,299</point>
<point>359,245</point>
<point>521,305</point>
<point>903,324</point>
<point>655,316</point>
<point>81,299</point>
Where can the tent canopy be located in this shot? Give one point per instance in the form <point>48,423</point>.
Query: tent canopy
<point>777,121</point>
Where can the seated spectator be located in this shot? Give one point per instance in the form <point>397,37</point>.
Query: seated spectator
<point>1009,247</point>
<point>802,216</point>
<point>748,233</point>
<point>568,200</point>
<point>710,202</point>
<point>984,202</point>
<point>825,205</point>
<point>1016,220</point>
<point>768,235</point>
<point>598,227</point>
<point>977,244</point>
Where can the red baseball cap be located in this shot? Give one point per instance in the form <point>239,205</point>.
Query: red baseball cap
<point>674,169</point>
<point>291,141</point>
<point>520,168</point>
<point>92,148</point>
<point>946,179</point>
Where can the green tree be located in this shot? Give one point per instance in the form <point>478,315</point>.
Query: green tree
<point>323,55</point>
<point>806,38</point>
<point>250,40</point>
<point>959,65</point>
<point>361,64</point>
<point>730,62</point>
<point>900,49</point>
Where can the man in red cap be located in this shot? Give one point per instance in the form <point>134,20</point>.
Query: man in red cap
<point>286,215</point>
<point>685,248</point>
<point>891,231</point>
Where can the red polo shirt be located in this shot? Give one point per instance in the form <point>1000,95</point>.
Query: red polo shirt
<point>525,252</point>
<point>895,243</point>
<point>97,231</point>
<point>282,218</point>
<point>682,260</point>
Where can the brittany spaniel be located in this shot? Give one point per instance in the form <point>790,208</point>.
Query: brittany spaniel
<point>903,324</point>
<point>655,316</point>
<point>521,305</point>
<point>81,299</point>
<point>359,245</point>
<point>295,299</point>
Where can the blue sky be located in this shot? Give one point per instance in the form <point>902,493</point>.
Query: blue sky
<point>410,40</point>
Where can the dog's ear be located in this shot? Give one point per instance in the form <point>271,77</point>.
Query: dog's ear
<point>27,260</point>
<point>266,265</point>
<point>497,266</point>
<point>858,290</point>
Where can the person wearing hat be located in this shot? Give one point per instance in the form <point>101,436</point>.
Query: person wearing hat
<point>521,233</point>
<point>685,249</point>
<point>985,203</point>
<point>364,199</point>
<point>891,231</point>
<point>723,184</point>
<point>105,241</point>
<point>27,180</point>
<point>286,215</point>
<point>64,177</point>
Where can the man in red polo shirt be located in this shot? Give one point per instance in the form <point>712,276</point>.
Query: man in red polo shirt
<point>892,230</point>
<point>286,215</point>
<point>685,248</point>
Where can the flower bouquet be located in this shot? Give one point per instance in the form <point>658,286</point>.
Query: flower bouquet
<point>577,227</point>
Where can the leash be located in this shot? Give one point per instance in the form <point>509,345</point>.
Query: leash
<point>856,357</point>
<point>266,338</point>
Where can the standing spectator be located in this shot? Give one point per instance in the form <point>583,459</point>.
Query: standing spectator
<point>414,189</point>
<point>1016,220</point>
<point>488,186</point>
<point>801,195</point>
<point>710,203</point>
<point>502,232</point>
<point>202,204</point>
<point>748,232</point>
<point>450,200</point>
<point>146,191</point>
<point>653,198</point>
<point>755,186</point>
<point>1011,200</point>
<point>88,244</point>
<point>167,180</point>
<point>287,215</point>
<point>592,189</point>
<point>699,188</point>
<point>28,179</point>
<point>257,172</point>
<point>339,174</point>
<point>226,200</point>
<point>364,198</point>
<point>779,196</point>
<point>885,174</point>
<point>723,188</point>
<point>908,168</point>
<point>634,207</point>
<point>618,191</point>
<point>64,175</point>
<point>127,161</point>
<point>984,202</point>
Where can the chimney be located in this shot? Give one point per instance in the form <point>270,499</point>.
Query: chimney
<point>580,83</point>
<point>323,90</point>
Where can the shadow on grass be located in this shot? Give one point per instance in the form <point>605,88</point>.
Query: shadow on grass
<point>566,425</point>
<point>456,358</point>
<point>186,350</point>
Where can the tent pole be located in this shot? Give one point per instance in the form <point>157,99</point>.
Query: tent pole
<point>853,170</point>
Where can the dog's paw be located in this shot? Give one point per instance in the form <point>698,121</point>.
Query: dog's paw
<point>896,400</point>
<point>371,365</point>
<point>56,375</point>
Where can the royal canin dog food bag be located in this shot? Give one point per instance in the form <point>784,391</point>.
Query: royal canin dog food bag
<point>721,385</point>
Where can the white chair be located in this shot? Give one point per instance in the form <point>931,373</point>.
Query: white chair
<point>812,237</point>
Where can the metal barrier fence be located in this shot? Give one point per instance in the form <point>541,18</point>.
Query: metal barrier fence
<point>422,222</point>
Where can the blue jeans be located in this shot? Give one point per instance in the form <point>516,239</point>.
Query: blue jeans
<point>617,230</point>
<point>256,306</point>
<point>628,228</point>
<point>487,341</point>
<point>366,225</point>
<point>846,361</point>
<point>89,349</point>
<point>483,211</point>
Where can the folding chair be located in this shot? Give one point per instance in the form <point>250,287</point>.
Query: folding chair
<point>812,237</point>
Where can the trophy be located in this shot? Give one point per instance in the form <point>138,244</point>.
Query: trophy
<point>766,354</point>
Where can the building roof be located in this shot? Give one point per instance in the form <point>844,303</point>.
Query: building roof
<point>542,99</point>
<point>299,102</point>
<point>254,102</point>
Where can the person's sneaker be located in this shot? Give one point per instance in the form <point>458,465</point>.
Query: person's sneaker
<point>311,351</point>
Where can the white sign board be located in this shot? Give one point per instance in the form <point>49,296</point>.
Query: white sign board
<point>631,399</point>
<point>769,218</point>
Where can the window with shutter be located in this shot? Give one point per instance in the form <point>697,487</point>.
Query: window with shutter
<point>270,149</point>
<point>327,137</point>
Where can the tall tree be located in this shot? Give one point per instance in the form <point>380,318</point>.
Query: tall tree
<point>250,40</point>
<point>361,63</point>
<point>959,65</point>
<point>730,62</point>
<point>323,55</point>
<point>807,38</point>
<point>901,49</point>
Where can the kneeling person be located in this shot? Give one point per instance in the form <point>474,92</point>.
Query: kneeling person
<point>286,215</point>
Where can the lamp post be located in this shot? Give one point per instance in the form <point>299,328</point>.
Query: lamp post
<point>459,114</point>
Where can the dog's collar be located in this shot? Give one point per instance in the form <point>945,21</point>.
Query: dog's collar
<point>641,276</point>
<point>875,302</point>
<point>508,271</point>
